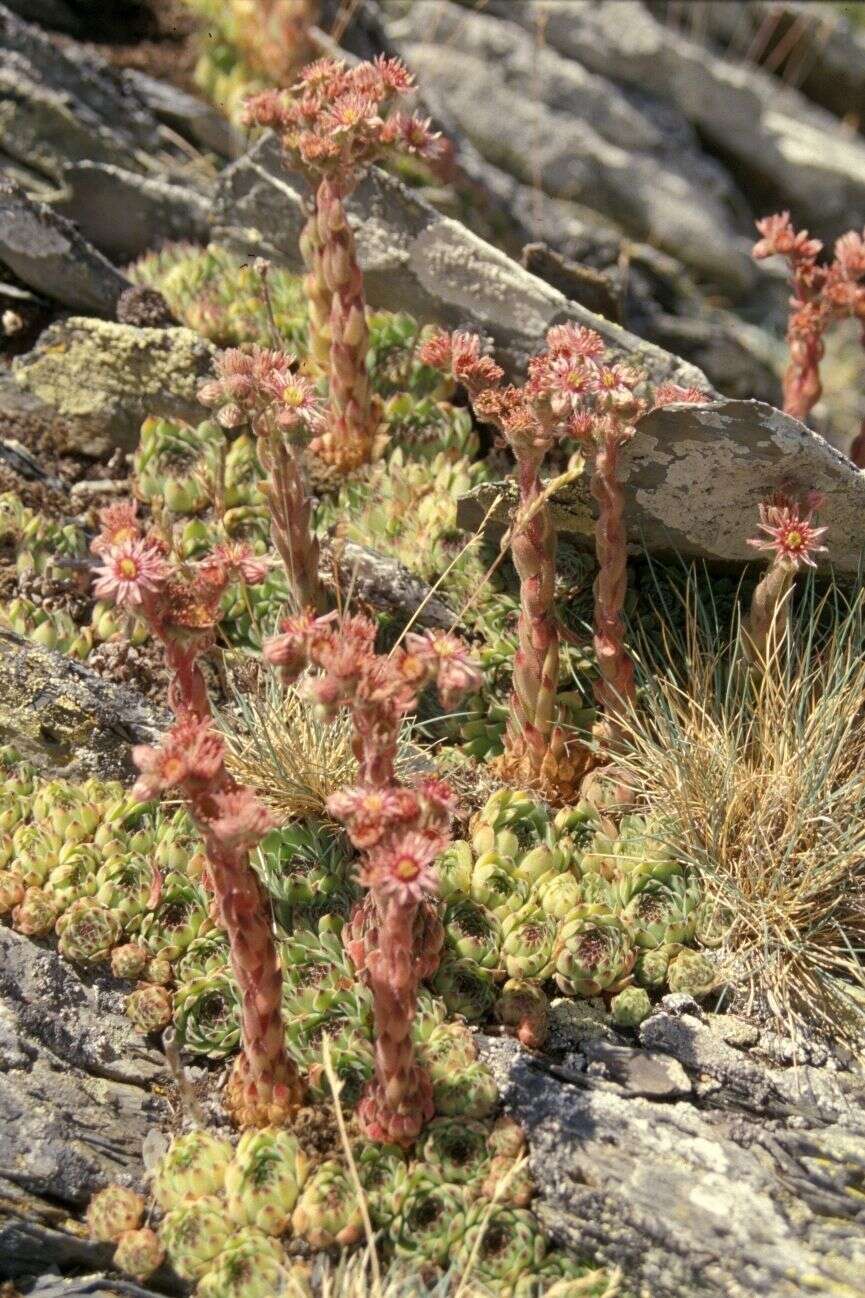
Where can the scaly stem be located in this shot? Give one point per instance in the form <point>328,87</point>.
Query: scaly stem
<point>615,688</point>
<point>350,438</point>
<point>536,666</point>
<point>291,531</point>
<point>767,617</point>
<point>398,1103</point>
<point>802,386</point>
<point>318,297</point>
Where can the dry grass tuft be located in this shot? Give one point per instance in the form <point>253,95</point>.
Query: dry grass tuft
<point>278,746</point>
<point>764,784</point>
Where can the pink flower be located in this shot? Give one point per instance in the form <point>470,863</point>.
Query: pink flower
<point>438,801</point>
<point>402,867</point>
<point>134,569</point>
<point>241,820</point>
<point>790,534</point>
<point>779,238</point>
<point>237,559</point>
<point>575,340</point>
<point>456,673</point>
<point>369,813</point>
<point>670,394</point>
<point>290,651</point>
<point>190,751</point>
<point>299,405</point>
<point>118,524</point>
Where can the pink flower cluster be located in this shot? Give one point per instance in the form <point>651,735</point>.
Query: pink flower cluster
<point>262,382</point>
<point>335,120</point>
<point>790,532</point>
<point>822,293</point>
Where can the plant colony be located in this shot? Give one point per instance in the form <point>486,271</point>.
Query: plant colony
<point>354,917</point>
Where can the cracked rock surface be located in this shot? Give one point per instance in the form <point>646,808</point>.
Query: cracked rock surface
<point>75,1106</point>
<point>736,1180</point>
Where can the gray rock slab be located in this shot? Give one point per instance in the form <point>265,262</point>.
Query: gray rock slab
<point>68,720</point>
<point>701,1199</point>
<point>100,380</point>
<point>768,131</point>
<point>190,117</point>
<point>414,259</point>
<point>638,1072</point>
<point>52,257</point>
<point>694,476</point>
<point>578,134</point>
<point>125,214</point>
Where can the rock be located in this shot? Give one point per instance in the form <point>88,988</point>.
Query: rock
<point>51,257</point>
<point>688,1199</point>
<point>91,1286</point>
<point>146,308</point>
<point>190,117</point>
<point>102,380</point>
<point>638,1072</point>
<point>125,214</point>
<point>66,719</point>
<point>75,1106</point>
<point>384,583</point>
<point>578,135</point>
<point>414,259</point>
<point>694,476</point>
<point>733,1030</point>
<point>55,14</point>
<point>64,105</point>
<point>770,136</point>
<point>573,1022</point>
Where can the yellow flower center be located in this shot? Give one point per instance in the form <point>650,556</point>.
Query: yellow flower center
<point>293,396</point>
<point>127,568</point>
<point>795,540</point>
<point>172,769</point>
<point>406,869</point>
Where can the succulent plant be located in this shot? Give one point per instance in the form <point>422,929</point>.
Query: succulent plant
<point>473,932</point>
<point>87,931</point>
<point>194,1234</point>
<point>327,1211</point>
<point>176,464</point>
<point>523,1007</point>
<point>512,1243</point>
<point>447,1047</point>
<point>12,889</point>
<point>192,1167</point>
<point>180,917</point>
<point>206,954</point>
<point>495,885</point>
<point>454,870</point>
<point>352,1061</point>
<point>128,961</point>
<point>383,1172</point>
<point>454,1150</point>
<point>207,1015</point>
<point>430,1219</point>
<point>74,877</point>
<point>693,973</point>
<point>630,1006</point>
<point>470,1094</point>
<point>264,1179</point>
<point>662,912</point>
<point>158,970</point>
<point>650,969</point>
<point>36,913</point>
<point>139,1253</point>
<point>125,886</point>
<point>465,988</point>
<point>592,954</point>
<point>112,1211</point>
<point>149,1008</point>
<point>251,1265</point>
<point>559,895</point>
<point>36,852</point>
<point>529,935</point>
<point>508,1183</point>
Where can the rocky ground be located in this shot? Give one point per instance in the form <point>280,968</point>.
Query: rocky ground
<point>701,1153</point>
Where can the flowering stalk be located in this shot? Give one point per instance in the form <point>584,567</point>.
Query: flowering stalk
<point>334,124</point>
<point>260,387</point>
<point>821,295</point>
<point>792,539</point>
<point>180,604</point>
<point>399,829</point>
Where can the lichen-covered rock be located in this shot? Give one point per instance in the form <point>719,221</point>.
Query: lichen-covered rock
<point>103,379</point>
<point>67,719</point>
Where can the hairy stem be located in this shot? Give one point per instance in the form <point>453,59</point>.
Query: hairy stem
<point>767,617</point>
<point>287,494</point>
<point>318,297</point>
